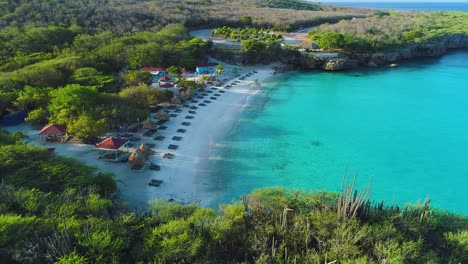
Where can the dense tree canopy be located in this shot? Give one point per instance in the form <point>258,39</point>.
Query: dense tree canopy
<point>76,82</point>
<point>43,171</point>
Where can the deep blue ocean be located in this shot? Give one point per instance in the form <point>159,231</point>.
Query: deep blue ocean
<point>406,127</point>
<point>416,6</point>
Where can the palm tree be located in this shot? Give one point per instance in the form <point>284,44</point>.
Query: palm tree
<point>219,69</point>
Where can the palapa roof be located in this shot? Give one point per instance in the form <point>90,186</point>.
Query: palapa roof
<point>165,79</point>
<point>136,158</point>
<point>111,143</point>
<point>52,129</point>
<point>148,124</point>
<point>145,150</point>
<point>162,115</point>
<point>166,85</point>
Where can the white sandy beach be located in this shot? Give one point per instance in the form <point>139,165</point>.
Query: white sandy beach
<point>181,175</point>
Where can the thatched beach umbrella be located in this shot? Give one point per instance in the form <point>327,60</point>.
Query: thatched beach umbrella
<point>145,150</point>
<point>162,115</point>
<point>182,96</point>
<point>176,100</point>
<point>137,158</point>
<point>149,125</point>
<point>189,92</point>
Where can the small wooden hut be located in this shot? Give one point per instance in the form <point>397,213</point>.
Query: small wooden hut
<point>113,148</point>
<point>52,132</point>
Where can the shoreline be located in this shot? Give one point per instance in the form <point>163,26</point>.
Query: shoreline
<point>183,175</point>
<point>340,61</point>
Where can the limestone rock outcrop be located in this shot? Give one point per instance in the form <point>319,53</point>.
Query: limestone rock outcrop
<point>338,61</point>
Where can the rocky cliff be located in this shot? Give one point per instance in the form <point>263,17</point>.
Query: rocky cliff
<point>341,61</point>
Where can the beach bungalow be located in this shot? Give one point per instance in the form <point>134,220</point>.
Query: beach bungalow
<point>52,132</point>
<point>114,149</point>
<point>164,79</point>
<point>209,68</point>
<point>165,82</point>
<point>188,73</point>
<point>157,72</point>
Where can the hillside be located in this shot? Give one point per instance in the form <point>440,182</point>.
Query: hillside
<point>130,15</point>
<point>390,30</point>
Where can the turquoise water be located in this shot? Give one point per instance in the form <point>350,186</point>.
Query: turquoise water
<point>407,127</point>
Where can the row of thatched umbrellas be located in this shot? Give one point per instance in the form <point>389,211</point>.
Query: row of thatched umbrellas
<point>139,156</point>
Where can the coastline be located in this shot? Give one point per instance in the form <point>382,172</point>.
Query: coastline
<point>184,174</point>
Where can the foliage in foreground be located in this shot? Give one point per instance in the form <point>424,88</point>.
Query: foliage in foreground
<point>271,226</point>
<point>29,166</point>
<point>389,30</point>
<point>70,222</point>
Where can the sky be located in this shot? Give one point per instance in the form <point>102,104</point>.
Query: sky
<point>407,1</point>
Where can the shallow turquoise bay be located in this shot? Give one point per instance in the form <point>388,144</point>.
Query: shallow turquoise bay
<point>407,127</point>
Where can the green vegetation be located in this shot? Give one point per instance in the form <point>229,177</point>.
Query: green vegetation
<point>46,172</point>
<point>76,63</point>
<point>385,31</point>
<point>256,51</point>
<point>259,45</point>
<point>94,49</point>
<point>54,209</point>
<point>88,82</point>
<point>123,16</point>
<point>291,4</point>
<point>239,34</point>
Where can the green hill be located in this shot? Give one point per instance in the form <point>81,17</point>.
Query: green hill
<point>130,15</point>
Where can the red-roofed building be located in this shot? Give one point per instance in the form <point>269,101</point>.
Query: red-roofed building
<point>157,72</point>
<point>185,71</point>
<point>166,85</point>
<point>110,148</point>
<point>112,143</point>
<point>53,129</point>
<point>52,132</point>
<point>165,79</point>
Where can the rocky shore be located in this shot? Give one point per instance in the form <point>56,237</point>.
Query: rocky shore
<point>344,61</point>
